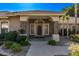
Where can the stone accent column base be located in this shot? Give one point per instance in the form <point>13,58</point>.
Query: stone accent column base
<point>56,37</point>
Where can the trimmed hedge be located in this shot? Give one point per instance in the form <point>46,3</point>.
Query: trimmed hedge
<point>52,42</point>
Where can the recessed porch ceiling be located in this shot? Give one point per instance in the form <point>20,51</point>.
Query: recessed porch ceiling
<point>39,17</point>
<point>46,19</point>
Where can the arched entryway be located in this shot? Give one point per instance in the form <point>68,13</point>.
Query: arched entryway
<point>39,28</point>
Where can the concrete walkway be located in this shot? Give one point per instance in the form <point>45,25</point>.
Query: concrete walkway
<point>64,41</point>
<point>41,48</point>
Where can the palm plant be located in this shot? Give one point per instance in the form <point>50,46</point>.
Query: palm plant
<point>65,18</point>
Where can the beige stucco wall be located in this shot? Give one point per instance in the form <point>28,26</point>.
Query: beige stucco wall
<point>24,18</point>
<point>14,23</point>
<point>70,21</point>
<point>55,18</point>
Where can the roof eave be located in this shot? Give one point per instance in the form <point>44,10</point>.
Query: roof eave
<point>35,14</point>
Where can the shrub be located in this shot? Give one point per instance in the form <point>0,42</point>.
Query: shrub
<point>73,49</point>
<point>11,36</point>
<point>21,31</point>
<point>24,43</point>
<point>22,40</point>
<point>1,42</point>
<point>2,36</point>
<point>74,38</point>
<point>52,42</point>
<point>8,44</point>
<point>15,47</point>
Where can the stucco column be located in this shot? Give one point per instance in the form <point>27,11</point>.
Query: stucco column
<point>28,28</point>
<point>0,26</point>
<point>56,30</point>
<point>56,27</point>
<point>25,19</point>
<point>55,35</point>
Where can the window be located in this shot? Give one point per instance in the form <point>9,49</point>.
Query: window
<point>72,27</point>
<point>4,27</point>
<point>23,27</point>
<point>46,29</point>
<point>32,29</point>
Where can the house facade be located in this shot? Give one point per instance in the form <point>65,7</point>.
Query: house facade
<point>34,23</point>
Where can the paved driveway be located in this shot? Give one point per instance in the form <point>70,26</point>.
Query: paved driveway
<point>41,48</point>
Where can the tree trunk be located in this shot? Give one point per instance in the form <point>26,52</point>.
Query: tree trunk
<point>75,18</point>
<point>63,29</point>
<point>67,29</point>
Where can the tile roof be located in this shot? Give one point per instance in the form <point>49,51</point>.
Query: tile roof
<point>39,12</point>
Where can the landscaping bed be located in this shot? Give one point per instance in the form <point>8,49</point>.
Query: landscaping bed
<point>74,45</point>
<point>13,44</point>
<point>74,38</point>
<point>23,52</point>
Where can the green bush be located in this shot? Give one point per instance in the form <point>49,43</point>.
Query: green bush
<point>52,42</point>
<point>15,47</point>
<point>24,43</point>
<point>22,40</point>
<point>21,31</point>
<point>11,36</point>
<point>74,38</point>
<point>1,42</point>
<point>2,36</point>
<point>8,44</point>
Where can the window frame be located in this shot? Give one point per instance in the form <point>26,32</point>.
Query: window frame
<point>45,24</point>
<point>32,28</point>
<point>1,24</point>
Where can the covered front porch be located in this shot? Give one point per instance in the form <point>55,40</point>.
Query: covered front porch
<point>39,26</point>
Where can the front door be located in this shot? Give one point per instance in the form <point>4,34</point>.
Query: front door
<point>39,30</point>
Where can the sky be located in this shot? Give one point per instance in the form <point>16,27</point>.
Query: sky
<point>57,7</point>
